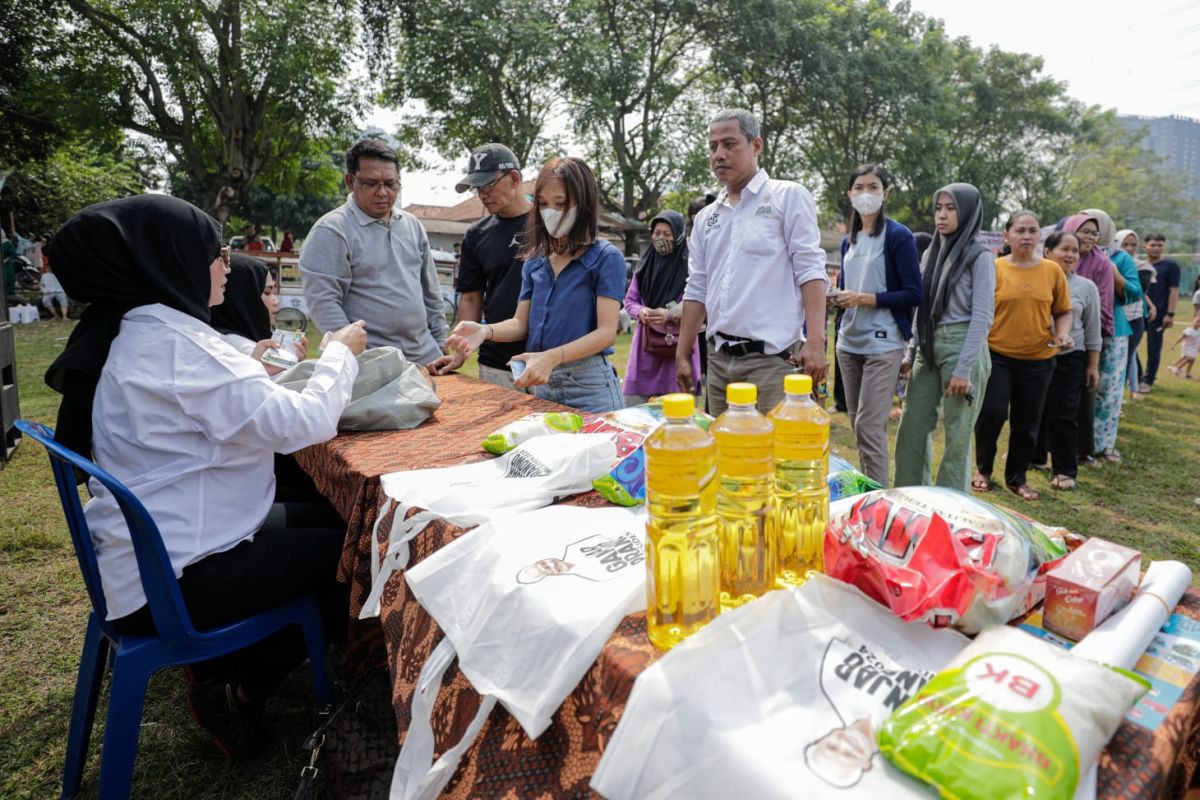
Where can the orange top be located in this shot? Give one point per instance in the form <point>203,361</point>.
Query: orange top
<point>1027,300</point>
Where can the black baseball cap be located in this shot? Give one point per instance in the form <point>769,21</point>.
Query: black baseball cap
<point>486,164</point>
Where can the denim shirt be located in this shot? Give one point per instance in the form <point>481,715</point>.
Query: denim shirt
<point>563,309</point>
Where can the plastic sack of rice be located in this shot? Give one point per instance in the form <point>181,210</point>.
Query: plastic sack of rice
<point>517,432</point>
<point>625,484</point>
<point>1011,716</point>
<point>938,555</point>
<point>845,480</point>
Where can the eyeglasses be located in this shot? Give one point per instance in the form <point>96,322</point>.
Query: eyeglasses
<point>487,187</point>
<point>374,186</point>
<point>1087,233</point>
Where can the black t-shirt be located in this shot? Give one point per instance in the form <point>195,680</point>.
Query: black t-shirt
<point>1167,272</point>
<point>489,264</point>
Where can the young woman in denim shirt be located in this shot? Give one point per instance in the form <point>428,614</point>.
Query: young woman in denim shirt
<point>572,285</point>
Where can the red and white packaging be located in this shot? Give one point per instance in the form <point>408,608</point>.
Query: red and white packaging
<point>1089,586</point>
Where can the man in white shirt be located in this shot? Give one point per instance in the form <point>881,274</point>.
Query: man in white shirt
<point>756,270</point>
<point>367,260</point>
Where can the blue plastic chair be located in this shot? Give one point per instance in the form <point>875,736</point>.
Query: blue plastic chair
<point>136,658</point>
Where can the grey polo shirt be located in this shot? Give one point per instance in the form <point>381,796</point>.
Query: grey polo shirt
<point>355,266</point>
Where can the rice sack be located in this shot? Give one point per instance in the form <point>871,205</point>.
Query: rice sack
<point>1011,716</point>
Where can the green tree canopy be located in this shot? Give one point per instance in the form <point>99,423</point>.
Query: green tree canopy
<point>231,87</point>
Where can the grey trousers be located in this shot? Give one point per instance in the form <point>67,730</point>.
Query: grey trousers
<point>765,372</point>
<point>870,383</point>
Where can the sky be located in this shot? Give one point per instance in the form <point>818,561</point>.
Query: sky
<point>1144,61</point>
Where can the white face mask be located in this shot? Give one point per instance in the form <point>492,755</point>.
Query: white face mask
<point>557,223</point>
<point>866,202</point>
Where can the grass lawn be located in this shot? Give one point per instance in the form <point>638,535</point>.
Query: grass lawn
<point>1150,501</point>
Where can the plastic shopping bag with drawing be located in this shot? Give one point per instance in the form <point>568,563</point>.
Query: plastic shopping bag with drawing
<point>527,602</point>
<point>538,473</point>
<point>782,693</point>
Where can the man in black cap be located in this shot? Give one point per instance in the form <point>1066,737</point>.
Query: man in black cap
<point>489,272</point>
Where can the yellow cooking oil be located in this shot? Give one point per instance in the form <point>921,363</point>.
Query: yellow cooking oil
<point>744,471</point>
<point>682,566</point>
<point>800,504</point>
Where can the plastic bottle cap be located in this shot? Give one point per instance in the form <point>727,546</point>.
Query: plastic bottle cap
<point>797,384</point>
<point>741,394</point>
<point>678,405</point>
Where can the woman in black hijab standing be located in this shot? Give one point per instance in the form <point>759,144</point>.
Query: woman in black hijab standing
<point>653,300</point>
<point>951,365</point>
<point>190,425</point>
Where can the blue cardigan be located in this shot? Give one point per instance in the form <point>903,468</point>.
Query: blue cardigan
<point>903,268</point>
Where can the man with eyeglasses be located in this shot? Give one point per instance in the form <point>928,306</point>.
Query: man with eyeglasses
<point>489,272</point>
<point>371,261</point>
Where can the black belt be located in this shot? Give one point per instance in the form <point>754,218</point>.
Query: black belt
<point>741,346</point>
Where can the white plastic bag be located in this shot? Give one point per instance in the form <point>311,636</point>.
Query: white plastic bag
<point>778,698</point>
<point>538,473</point>
<point>527,601</point>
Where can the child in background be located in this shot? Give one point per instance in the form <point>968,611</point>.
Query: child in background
<point>1189,341</point>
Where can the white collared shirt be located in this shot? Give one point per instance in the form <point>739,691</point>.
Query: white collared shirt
<point>190,425</point>
<point>746,263</point>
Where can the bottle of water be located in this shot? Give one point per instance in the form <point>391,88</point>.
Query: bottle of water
<point>800,503</point>
<point>682,566</point>
<point>748,556</point>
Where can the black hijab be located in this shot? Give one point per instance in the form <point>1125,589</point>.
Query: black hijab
<point>116,256</point>
<point>243,311</point>
<point>947,257</point>
<point>661,278</point>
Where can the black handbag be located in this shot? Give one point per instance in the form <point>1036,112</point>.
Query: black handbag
<point>356,744</point>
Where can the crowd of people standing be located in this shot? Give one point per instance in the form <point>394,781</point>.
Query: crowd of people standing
<point>1042,337</point>
<point>164,383</point>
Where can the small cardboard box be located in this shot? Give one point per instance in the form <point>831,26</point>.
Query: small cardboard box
<point>1089,586</point>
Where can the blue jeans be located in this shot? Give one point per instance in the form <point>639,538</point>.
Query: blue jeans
<point>589,384</point>
<point>1132,376</point>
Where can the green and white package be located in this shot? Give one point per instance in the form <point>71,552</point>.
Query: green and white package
<point>1011,716</point>
<point>519,431</point>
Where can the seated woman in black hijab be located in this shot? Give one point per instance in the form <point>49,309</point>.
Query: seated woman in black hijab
<point>189,424</point>
<point>246,318</point>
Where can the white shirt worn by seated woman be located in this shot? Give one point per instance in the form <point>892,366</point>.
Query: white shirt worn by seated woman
<point>190,424</point>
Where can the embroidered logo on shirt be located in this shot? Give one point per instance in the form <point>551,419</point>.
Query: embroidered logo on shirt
<point>880,334</point>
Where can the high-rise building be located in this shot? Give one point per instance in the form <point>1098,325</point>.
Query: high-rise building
<point>1177,139</point>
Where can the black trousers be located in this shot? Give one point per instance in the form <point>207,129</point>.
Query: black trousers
<point>1059,432</point>
<point>1086,419</point>
<point>1016,392</point>
<point>295,553</point>
<point>1154,346</point>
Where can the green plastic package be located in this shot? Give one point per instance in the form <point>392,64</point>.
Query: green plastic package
<point>1011,716</point>
<point>522,430</point>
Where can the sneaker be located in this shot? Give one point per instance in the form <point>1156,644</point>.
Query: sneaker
<point>236,728</point>
<point>1145,388</point>
<point>1174,371</point>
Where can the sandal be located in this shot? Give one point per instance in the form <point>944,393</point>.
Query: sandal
<point>1062,482</point>
<point>1112,457</point>
<point>981,483</point>
<point>1025,492</point>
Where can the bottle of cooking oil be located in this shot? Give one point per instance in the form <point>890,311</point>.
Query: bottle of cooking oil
<point>800,505</point>
<point>683,572</point>
<point>748,557</point>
